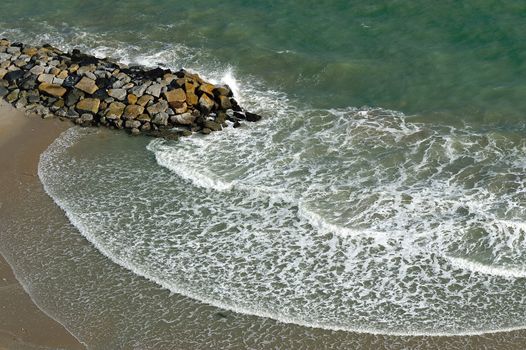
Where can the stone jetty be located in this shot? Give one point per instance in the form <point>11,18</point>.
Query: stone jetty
<point>102,92</point>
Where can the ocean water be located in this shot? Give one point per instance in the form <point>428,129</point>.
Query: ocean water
<point>383,193</point>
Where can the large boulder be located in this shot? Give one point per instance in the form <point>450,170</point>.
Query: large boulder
<point>90,105</point>
<point>133,111</point>
<point>206,103</point>
<point>160,119</point>
<point>158,107</point>
<point>87,85</point>
<point>115,110</point>
<point>176,95</point>
<point>118,94</point>
<point>183,119</point>
<point>52,90</point>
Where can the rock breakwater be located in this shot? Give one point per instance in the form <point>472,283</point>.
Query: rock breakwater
<point>102,92</point>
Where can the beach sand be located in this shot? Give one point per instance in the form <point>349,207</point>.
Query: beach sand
<point>22,324</point>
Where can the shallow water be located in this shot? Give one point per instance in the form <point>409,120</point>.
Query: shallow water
<point>406,217</point>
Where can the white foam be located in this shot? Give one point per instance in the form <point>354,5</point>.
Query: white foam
<point>335,219</point>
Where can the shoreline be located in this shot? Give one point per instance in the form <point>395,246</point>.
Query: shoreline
<point>22,323</point>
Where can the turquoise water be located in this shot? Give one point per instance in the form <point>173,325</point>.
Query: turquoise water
<point>384,192</point>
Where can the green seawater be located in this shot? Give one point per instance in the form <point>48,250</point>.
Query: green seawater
<point>465,59</point>
<point>383,193</point>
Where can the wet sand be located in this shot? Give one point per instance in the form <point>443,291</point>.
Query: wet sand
<point>22,324</point>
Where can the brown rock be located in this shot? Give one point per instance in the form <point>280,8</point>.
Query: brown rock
<point>191,98</point>
<point>158,107</point>
<point>3,72</point>
<point>87,85</point>
<point>143,100</point>
<point>177,95</point>
<point>30,51</point>
<point>115,110</point>
<point>53,90</point>
<point>133,111</point>
<point>206,103</point>
<point>222,90</point>
<point>144,117</point>
<point>90,105</point>
<point>73,68</point>
<point>189,86</point>
<point>224,102</point>
<point>179,107</point>
<point>207,88</point>
<point>132,99</point>
<point>63,74</point>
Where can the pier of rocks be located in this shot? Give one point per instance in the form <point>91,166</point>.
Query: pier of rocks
<point>90,91</point>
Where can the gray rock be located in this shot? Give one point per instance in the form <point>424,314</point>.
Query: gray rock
<point>118,84</point>
<point>37,70</point>
<point>13,49</point>
<point>91,75</point>
<point>58,81</point>
<point>72,113</point>
<point>123,77</point>
<point>119,94</point>
<point>73,97</point>
<point>154,90</point>
<point>54,63</point>
<point>84,69</point>
<point>46,78</point>
<point>139,90</point>
<point>5,57</point>
<point>86,118</point>
<point>3,91</point>
<point>21,103</point>
<point>160,119</point>
<point>159,107</point>
<point>183,119</point>
<point>62,112</point>
<point>135,131</point>
<point>131,124</point>
<point>33,98</point>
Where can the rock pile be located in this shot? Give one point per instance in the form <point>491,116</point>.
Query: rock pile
<point>99,92</point>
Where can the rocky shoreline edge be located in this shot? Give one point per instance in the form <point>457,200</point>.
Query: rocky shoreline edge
<point>90,91</point>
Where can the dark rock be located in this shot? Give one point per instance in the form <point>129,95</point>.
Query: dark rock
<point>252,117</point>
<point>237,124</point>
<point>71,80</point>
<point>101,94</point>
<point>73,97</point>
<point>104,83</point>
<point>235,106</point>
<point>212,125</point>
<point>29,83</point>
<point>155,73</point>
<point>239,115</point>
<point>14,76</point>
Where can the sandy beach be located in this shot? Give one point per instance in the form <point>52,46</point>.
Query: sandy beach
<point>22,324</point>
